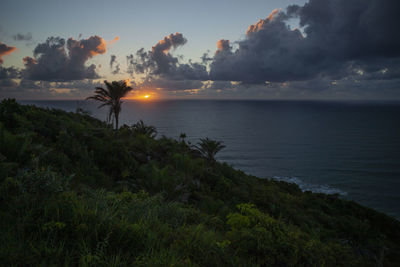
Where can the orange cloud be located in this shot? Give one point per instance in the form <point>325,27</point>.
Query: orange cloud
<point>100,49</point>
<point>29,61</point>
<point>113,41</point>
<point>5,50</point>
<point>87,48</point>
<point>223,45</point>
<point>170,41</point>
<point>262,23</point>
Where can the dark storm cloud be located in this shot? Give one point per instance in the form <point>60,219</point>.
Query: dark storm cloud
<point>267,53</point>
<point>22,37</point>
<point>353,29</point>
<point>5,50</point>
<point>159,62</point>
<point>338,35</point>
<point>60,60</point>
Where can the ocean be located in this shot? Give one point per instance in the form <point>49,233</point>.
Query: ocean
<point>349,148</point>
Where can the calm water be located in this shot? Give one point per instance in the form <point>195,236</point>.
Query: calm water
<point>333,147</point>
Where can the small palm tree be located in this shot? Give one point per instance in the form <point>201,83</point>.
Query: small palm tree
<point>182,137</point>
<point>209,148</point>
<point>141,128</point>
<point>111,96</point>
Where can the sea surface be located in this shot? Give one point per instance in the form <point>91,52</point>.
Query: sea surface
<point>349,148</point>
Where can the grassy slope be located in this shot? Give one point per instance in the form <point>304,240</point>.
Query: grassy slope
<point>73,191</point>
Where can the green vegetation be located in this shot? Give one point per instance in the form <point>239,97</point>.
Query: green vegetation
<point>209,148</point>
<point>75,192</point>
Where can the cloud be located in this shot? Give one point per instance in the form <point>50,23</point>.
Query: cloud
<point>110,43</point>
<point>8,83</point>
<point>116,69</point>
<point>9,73</point>
<point>335,41</point>
<point>352,29</point>
<point>220,85</point>
<point>262,24</point>
<point>341,48</point>
<point>170,85</point>
<point>29,89</point>
<point>223,46</point>
<point>5,50</point>
<point>205,58</point>
<point>60,60</point>
<point>159,62</point>
<point>22,37</point>
<point>336,38</point>
<point>112,60</point>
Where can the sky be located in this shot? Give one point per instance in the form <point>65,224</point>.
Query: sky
<point>316,49</point>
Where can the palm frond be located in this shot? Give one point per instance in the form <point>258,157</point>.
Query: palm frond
<point>111,96</point>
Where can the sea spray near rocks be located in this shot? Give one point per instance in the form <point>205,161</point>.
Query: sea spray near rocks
<point>315,188</point>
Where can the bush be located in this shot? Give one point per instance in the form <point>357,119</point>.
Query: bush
<point>75,192</point>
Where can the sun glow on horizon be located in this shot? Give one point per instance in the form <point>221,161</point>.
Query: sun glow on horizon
<point>143,96</point>
<point>146,97</point>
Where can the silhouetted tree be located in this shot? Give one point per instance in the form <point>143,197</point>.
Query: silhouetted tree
<point>182,137</point>
<point>209,148</point>
<point>111,96</point>
<point>141,128</point>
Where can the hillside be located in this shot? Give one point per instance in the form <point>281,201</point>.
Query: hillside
<point>73,191</point>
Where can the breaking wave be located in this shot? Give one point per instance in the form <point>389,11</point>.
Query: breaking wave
<point>315,188</point>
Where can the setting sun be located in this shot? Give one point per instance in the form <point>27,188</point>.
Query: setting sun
<point>143,96</point>
<point>146,97</point>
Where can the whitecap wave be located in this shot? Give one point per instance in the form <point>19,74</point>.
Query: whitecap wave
<point>315,188</point>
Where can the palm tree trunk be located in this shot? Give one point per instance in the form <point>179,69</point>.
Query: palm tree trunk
<point>116,120</point>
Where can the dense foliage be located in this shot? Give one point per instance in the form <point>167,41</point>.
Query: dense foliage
<point>73,191</point>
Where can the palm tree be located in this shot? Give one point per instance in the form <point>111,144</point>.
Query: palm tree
<point>141,128</point>
<point>209,148</point>
<point>182,137</point>
<point>111,96</point>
